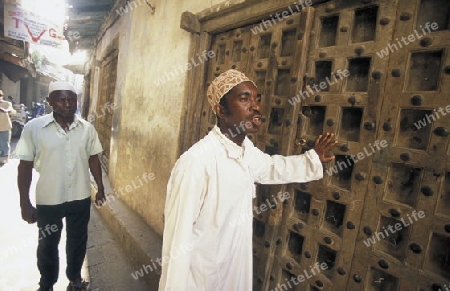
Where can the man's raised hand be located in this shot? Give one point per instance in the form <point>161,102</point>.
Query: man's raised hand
<point>323,144</point>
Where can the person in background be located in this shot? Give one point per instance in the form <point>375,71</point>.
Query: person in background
<point>62,148</point>
<point>5,128</point>
<point>213,184</point>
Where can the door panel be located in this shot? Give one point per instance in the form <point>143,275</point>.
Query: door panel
<point>410,175</point>
<point>344,67</point>
<point>346,36</point>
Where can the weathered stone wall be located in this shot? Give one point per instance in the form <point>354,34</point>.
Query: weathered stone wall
<point>146,123</point>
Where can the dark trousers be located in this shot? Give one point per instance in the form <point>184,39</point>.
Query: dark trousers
<point>49,221</point>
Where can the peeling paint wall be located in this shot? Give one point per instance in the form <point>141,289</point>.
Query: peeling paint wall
<point>146,123</point>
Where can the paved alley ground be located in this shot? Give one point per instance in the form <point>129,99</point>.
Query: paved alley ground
<point>105,265</point>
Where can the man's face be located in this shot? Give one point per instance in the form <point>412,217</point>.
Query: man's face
<point>64,103</point>
<point>243,108</point>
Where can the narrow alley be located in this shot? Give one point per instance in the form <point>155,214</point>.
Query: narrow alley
<point>106,266</point>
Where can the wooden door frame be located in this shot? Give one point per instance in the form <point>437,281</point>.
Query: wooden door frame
<point>203,26</point>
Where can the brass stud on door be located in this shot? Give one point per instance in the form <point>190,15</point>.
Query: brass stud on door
<point>426,42</point>
<point>377,74</point>
<point>344,148</point>
<point>336,195</point>
<point>387,126</point>
<point>384,21</point>
<point>447,228</point>
<point>361,176</point>
<point>441,131</point>
<point>352,100</point>
<point>357,278</point>
<point>377,180</point>
<point>417,100</point>
<point>359,50</point>
<point>405,16</point>
<point>367,230</point>
<point>447,70</point>
<point>394,212</point>
<point>289,266</point>
<point>416,248</point>
<point>396,73</point>
<point>427,191</point>
<point>405,157</point>
<point>369,125</point>
<point>383,264</point>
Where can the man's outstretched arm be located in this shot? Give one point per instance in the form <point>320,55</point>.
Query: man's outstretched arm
<point>303,168</point>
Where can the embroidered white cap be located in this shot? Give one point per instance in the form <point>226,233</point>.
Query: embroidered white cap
<point>60,85</point>
<point>223,83</point>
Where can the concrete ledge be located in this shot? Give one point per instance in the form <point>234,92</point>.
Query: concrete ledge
<point>141,245</point>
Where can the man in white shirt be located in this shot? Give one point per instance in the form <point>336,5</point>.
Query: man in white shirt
<point>213,183</point>
<point>5,128</point>
<point>62,148</point>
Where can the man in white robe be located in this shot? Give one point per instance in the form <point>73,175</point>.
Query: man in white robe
<point>212,184</point>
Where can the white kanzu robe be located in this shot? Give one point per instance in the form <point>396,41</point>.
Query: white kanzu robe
<point>211,185</point>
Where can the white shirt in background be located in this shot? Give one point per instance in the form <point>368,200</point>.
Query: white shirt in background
<point>60,157</point>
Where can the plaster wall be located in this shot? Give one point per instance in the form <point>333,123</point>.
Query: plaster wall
<point>146,124</point>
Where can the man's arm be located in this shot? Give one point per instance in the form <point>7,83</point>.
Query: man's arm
<point>96,170</point>
<point>303,168</point>
<point>23,182</point>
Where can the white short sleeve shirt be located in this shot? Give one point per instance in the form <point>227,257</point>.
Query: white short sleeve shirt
<point>60,157</point>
